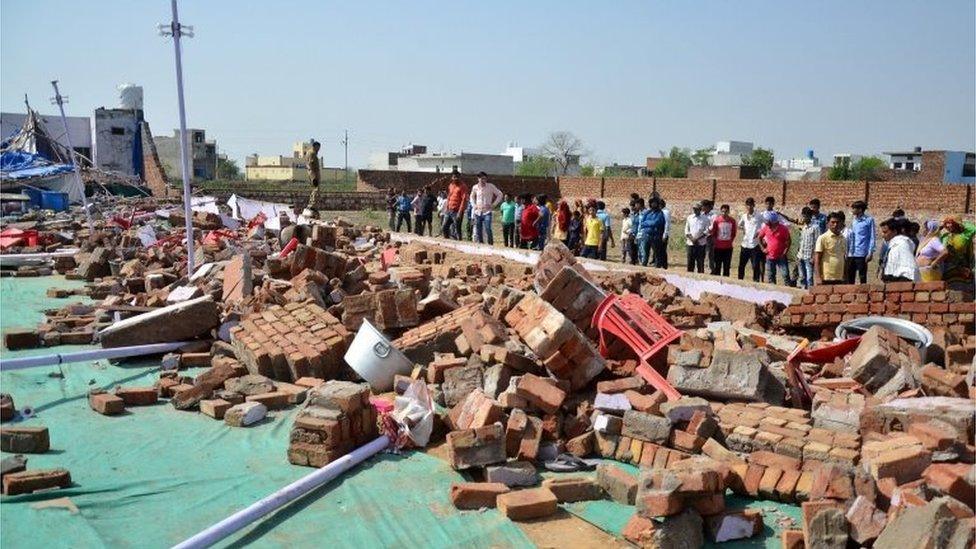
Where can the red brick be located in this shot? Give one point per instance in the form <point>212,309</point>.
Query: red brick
<point>476,495</point>
<point>214,408</point>
<point>106,404</point>
<point>950,479</point>
<point>540,393</point>
<point>527,504</point>
<point>137,396</point>
<point>572,489</point>
<point>904,464</point>
<point>26,482</point>
<point>619,485</point>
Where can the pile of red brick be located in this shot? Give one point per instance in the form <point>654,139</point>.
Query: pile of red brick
<point>926,303</point>
<point>336,419</point>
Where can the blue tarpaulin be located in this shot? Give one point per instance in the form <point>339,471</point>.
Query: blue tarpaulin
<point>19,165</point>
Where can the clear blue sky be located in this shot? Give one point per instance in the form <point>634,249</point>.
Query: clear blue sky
<point>629,78</point>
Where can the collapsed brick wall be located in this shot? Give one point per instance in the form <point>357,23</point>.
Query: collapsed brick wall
<point>153,171</point>
<point>298,198</point>
<point>381,180</point>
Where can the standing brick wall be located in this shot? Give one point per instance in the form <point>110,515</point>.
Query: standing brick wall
<point>883,197</point>
<point>152,168</point>
<point>580,186</point>
<point>621,187</point>
<point>683,190</point>
<point>734,193</point>
<point>833,195</point>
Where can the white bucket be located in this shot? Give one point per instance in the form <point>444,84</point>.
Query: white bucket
<point>375,360</point>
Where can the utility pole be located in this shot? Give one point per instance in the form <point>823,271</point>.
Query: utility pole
<point>345,147</point>
<point>177,31</point>
<point>59,100</point>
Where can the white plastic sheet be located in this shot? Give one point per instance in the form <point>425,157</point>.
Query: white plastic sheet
<point>414,412</point>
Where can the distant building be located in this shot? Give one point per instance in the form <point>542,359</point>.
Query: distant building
<point>470,163</point>
<point>802,168</point>
<point>79,128</point>
<point>203,155</point>
<point>286,168</point>
<point>522,154</point>
<point>723,172</point>
<point>730,153</point>
<point>944,166</point>
<point>118,142</point>
<point>389,160</point>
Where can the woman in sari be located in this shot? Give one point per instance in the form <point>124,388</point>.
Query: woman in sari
<point>560,229</point>
<point>957,237</point>
<point>931,253</point>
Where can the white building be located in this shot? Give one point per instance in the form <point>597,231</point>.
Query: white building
<point>470,163</point>
<point>730,153</point>
<point>846,159</point>
<point>521,154</point>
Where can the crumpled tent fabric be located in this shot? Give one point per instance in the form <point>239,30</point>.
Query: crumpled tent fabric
<point>19,165</point>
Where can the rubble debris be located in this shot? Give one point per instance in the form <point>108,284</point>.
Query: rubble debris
<point>176,322</point>
<point>245,414</point>
<point>337,417</point>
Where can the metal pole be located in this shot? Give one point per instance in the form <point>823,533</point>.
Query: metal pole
<point>345,147</point>
<point>177,32</point>
<point>71,154</point>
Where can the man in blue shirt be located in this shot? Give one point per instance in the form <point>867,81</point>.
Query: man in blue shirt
<point>652,231</point>
<point>818,217</point>
<point>404,207</point>
<point>860,244</point>
<point>636,212</point>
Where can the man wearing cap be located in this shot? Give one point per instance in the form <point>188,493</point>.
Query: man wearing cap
<point>860,243</point>
<point>314,175</point>
<point>484,197</point>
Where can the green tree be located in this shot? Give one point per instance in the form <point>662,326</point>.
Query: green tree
<point>760,158</point>
<point>868,168</point>
<point>587,170</point>
<point>701,156</point>
<point>840,172</point>
<point>537,166</point>
<point>227,169</point>
<point>675,164</point>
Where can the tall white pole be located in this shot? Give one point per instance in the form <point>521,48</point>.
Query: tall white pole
<point>177,32</point>
<point>71,154</point>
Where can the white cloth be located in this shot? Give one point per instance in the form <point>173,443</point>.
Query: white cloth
<point>441,203</point>
<point>749,226</point>
<point>667,221</point>
<point>484,198</point>
<point>900,260</point>
<point>696,229</point>
<point>246,209</point>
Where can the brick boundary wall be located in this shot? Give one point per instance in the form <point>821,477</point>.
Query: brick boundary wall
<point>330,201</point>
<point>381,180</point>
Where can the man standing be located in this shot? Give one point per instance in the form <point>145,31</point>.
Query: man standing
<point>508,221</point>
<point>314,176</point>
<point>723,234</point>
<point>652,226</point>
<point>484,197</point>
<point>528,223</point>
<point>457,201</point>
<point>662,262</point>
<point>817,216</point>
<point>404,205</point>
<point>829,252</point>
<point>391,207</point>
<point>774,239</point>
<point>749,251</point>
<point>696,236</point>
<point>860,243</point>
<point>430,205</point>
<point>708,210</point>
<point>607,235</point>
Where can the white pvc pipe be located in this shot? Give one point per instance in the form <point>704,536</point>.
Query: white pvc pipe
<point>289,493</point>
<point>83,356</point>
<point>42,256</point>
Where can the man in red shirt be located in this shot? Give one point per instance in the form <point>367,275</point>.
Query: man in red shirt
<point>723,233</point>
<point>528,231</point>
<point>774,239</point>
<point>457,201</point>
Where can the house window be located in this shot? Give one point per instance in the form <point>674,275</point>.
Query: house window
<point>198,138</point>
<point>969,170</point>
<point>897,165</point>
<point>118,131</point>
<point>909,165</point>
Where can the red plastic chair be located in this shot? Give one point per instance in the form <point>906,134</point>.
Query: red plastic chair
<point>632,320</point>
<point>801,392</point>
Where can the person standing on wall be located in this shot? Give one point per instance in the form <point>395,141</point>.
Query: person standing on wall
<point>723,236</point>
<point>749,251</point>
<point>830,252</point>
<point>696,235</point>
<point>314,170</point>
<point>507,208</point>
<point>484,197</point>
<point>861,242</point>
<point>457,201</point>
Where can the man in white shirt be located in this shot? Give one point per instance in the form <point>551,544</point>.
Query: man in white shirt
<point>749,251</point>
<point>484,198</point>
<point>900,265</point>
<point>696,236</point>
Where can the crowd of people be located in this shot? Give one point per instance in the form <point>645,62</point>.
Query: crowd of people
<point>831,248</point>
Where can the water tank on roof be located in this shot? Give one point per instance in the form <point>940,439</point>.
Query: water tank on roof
<point>810,154</point>
<point>130,97</point>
